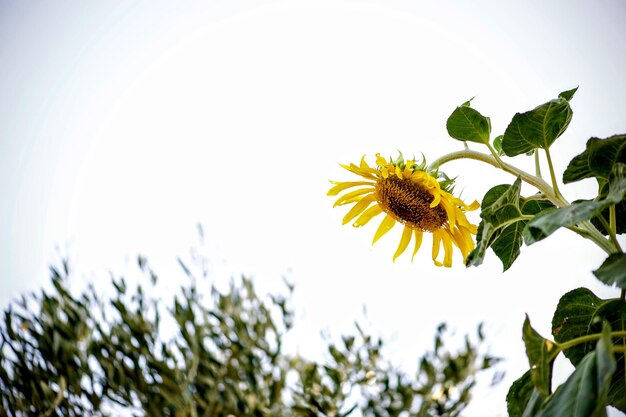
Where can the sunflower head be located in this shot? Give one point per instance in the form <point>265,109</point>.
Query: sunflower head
<point>407,192</point>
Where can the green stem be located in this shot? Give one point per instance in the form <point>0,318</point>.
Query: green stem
<point>622,298</point>
<point>584,339</point>
<point>536,182</point>
<point>555,186</point>
<point>613,228</point>
<point>590,231</point>
<point>537,165</point>
<point>495,154</point>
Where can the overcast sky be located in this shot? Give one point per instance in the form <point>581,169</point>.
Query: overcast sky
<point>123,125</point>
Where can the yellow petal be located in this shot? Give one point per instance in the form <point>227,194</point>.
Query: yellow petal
<point>418,241</point>
<point>436,244</point>
<point>352,200</point>
<point>473,206</point>
<point>342,200</point>
<point>447,247</point>
<point>436,200</point>
<point>463,240</point>
<point>398,172</point>
<point>404,242</point>
<point>365,173</point>
<point>364,164</point>
<point>341,185</point>
<point>450,211</point>
<point>358,208</point>
<point>367,215</point>
<point>385,226</point>
<point>380,161</point>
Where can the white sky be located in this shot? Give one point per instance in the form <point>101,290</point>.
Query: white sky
<point>125,124</point>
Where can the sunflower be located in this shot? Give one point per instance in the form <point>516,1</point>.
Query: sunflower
<point>408,193</point>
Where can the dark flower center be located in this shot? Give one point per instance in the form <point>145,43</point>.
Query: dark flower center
<point>409,203</point>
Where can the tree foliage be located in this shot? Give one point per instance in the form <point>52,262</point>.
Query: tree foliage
<point>86,355</point>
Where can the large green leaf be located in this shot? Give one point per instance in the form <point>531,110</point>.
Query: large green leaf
<point>549,221</point>
<point>584,393</point>
<point>613,270</point>
<point>467,124</point>
<point>503,221</point>
<point>598,159</point>
<point>539,351</point>
<point>538,128</point>
<point>580,313</point>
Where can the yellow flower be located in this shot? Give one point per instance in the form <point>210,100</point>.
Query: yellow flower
<point>405,192</point>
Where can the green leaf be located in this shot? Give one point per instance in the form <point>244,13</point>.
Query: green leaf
<point>504,215</point>
<point>535,402</point>
<point>467,124</point>
<point>581,313</point>
<point>499,208</point>
<point>497,144</point>
<point>539,351</point>
<point>585,392</point>
<point>547,222</point>
<point>613,270</point>
<point>507,245</point>
<point>519,394</point>
<point>567,95</point>
<point>598,159</point>
<point>620,215</point>
<point>537,128</point>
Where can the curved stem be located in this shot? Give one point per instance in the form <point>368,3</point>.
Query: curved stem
<point>588,230</point>
<point>536,182</point>
<point>584,339</point>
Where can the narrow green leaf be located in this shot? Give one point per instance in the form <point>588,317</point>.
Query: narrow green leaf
<point>585,392</point>
<point>613,270</point>
<point>547,222</point>
<point>467,124</point>
<point>538,350</point>
<point>597,160</point>
<point>537,128</point>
